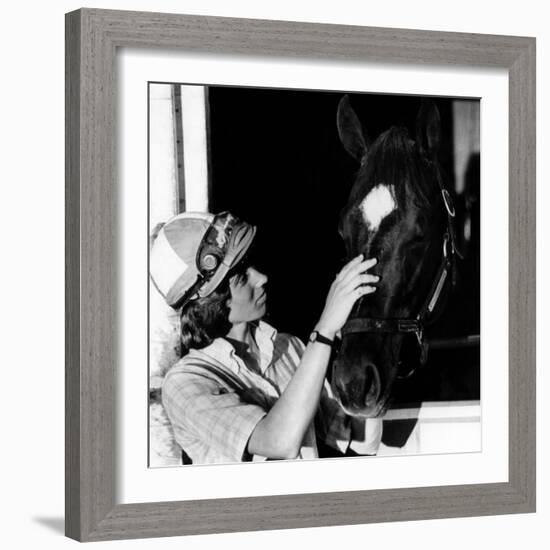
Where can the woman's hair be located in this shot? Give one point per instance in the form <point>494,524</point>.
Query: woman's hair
<point>205,319</point>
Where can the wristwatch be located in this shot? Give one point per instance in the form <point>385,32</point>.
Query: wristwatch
<point>316,336</point>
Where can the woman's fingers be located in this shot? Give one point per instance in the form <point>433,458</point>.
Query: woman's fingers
<point>358,268</point>
<point>362,290</point>
<point>359,278</point>
<point>349,266</point>
<point>356,290</point>
<point>365,278</point>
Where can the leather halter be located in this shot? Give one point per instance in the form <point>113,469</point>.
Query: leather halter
<point>417,324</point>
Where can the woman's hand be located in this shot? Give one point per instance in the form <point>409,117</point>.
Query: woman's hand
<point>350,284</point>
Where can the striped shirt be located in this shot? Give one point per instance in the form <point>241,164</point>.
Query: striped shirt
<point>214,401</point>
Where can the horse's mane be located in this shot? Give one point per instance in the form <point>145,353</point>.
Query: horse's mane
<point>393,160</point>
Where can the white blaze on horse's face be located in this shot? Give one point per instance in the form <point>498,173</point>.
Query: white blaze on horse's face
<point>377,205</point>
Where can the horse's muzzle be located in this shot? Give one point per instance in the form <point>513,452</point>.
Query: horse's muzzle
<point>361,394</point>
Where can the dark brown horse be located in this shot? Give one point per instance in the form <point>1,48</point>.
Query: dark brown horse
<point>400,212</point>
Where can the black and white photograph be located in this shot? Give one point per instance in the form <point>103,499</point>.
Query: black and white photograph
<point>314,274</point>
<point>285,256</point>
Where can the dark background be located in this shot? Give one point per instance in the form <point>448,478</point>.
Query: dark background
<point>277,162</point>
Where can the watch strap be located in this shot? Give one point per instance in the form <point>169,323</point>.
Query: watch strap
<point>316,336</point>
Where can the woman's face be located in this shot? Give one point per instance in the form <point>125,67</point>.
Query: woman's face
<point>248,296</point>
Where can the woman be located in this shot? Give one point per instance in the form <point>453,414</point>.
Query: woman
<point>242,391</point>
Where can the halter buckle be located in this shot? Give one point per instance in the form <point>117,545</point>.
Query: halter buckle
<point>449,206</point>
<point>408,325</point>
<point>446,240</point>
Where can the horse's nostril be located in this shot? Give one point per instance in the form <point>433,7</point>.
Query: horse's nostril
<point>372,385</point>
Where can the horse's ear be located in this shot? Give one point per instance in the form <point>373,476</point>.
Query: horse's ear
<point>428,128</point>
<point>350,130</point>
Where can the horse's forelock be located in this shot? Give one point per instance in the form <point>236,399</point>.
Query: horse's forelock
<point>394,161</point>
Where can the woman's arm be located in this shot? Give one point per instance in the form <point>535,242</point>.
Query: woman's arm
<point>280,433</point>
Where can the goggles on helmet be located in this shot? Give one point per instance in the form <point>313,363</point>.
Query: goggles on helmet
<point>223,246</point>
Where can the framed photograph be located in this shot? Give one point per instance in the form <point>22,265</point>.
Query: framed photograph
<point>313,143</point>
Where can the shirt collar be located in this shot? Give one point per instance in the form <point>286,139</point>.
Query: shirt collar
<point>223,351</point>
<point>265,336</point>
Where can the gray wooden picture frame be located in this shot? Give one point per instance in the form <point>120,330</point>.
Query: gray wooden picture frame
<point>92,39</point>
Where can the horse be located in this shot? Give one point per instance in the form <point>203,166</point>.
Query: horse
<point>400,212</point>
